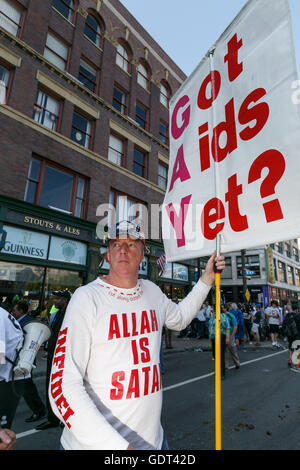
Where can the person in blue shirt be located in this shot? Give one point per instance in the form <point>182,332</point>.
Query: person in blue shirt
<point>225,334</point>
<point>231,348</point>
<point>239,335</point>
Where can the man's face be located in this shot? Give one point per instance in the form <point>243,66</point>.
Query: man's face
<point>59,302</point>
<point>125,256</point>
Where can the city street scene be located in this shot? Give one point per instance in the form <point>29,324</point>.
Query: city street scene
<point>149,227</point>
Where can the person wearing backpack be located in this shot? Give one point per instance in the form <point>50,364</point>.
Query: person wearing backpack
<point>291,328</point>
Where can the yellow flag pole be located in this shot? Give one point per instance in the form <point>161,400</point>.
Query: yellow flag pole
<point>218,421</point>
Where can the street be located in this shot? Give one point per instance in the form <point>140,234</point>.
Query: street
<point>260,405</point>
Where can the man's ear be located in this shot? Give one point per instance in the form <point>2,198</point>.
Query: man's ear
<point>106,256</point>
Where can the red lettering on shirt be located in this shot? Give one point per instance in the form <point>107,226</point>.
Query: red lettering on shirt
<point>56,385</point>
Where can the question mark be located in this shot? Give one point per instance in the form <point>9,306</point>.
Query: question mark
<point>275,162</point>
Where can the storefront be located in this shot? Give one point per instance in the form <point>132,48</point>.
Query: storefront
<point>174,281</point>
<point>43,251</point>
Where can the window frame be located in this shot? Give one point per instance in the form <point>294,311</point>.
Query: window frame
<point>163,138</point>
<point>22,10</point>
<point>91,134</point>
<point>93,14</point>
<point>141,77</point>
<point>144,165</point>
<point>72,9</point>
<point>60,39</point>
<point>10,71</point>
<point>159,176</point>
<point>142,119</point>
<point>125,93</point>
<point>282,272</point>
<point>40,183</point>
<point>60,105</point>
<point>97,75</point>
<point>166,96</point>
<point>125,60</point>
<point>123,154</point>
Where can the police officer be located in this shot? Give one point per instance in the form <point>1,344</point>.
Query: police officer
<point>11,389</point>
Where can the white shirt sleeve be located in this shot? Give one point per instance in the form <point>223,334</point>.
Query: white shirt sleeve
<point>178,316</point>
<point>67,393</point>
<point>2,339</point>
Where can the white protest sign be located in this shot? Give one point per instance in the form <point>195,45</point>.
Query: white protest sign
<point>235,141</point>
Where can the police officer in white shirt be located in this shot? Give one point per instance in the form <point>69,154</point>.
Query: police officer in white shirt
<point>11,389</point>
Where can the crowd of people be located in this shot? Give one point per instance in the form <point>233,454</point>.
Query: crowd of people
<point>242,323</point>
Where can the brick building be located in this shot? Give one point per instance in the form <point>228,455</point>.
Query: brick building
<point>84,94</point>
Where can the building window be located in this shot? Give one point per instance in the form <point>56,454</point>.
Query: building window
<point>228,268</point>
<point>139,163</point>
<point>10,17</point>
<point>252,266</point>
<point>32,181</point>
<point>80,197</point>
<point>56,188</point>
<point>162,176</point>
<point>88,75</point>
<point>143,76</point>
<point>119,100</point>
<point>298,277</point>
<point>290,275</point>
<point>279,247</point>
<point>56,51</point>
<point>81,131</point>
<point>4,79</point>
<point>46,110</point>
<point>296,253</point>
<point>164,96</point>
<point>65,7</point>
<point>115,150</point>
<point>141,115</point>
<point>281,272</point>
<point>93,30</point>
<point>126,208</point>
<point>122,58</point>
<point>163,133</point>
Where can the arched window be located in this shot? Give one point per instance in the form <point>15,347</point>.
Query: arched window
<point>93,29</point>
<point>165,94</point>
<point>143,75</point>
<point>123,57</point>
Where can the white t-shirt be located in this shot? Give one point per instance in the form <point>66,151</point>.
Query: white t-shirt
<point>273,311</point>
<point>11,339</point>
<point>106,383</point>
<point>201,315</point>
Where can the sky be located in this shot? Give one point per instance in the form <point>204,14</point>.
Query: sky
<point>186,33</point>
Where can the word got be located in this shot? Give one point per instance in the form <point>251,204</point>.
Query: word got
<point>252,110</point>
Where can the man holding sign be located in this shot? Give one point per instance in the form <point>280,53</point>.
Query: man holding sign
<point>106,380</point>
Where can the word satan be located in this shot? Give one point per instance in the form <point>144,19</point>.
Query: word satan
<point>143,379</point>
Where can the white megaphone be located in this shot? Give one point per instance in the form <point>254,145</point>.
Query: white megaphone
<point>36,334</point>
